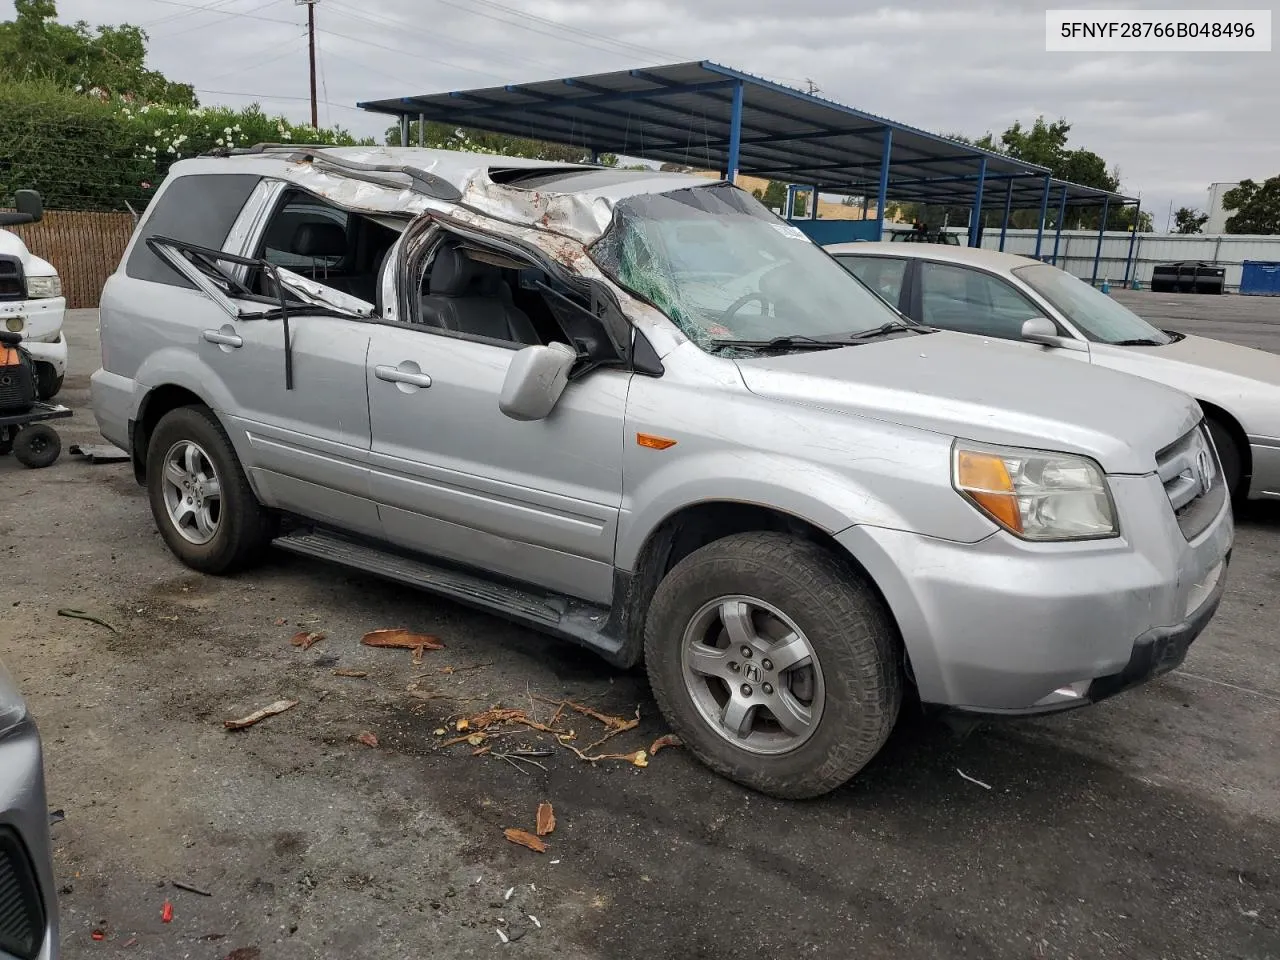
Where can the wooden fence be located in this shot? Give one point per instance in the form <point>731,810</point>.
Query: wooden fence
<point>84,247</point>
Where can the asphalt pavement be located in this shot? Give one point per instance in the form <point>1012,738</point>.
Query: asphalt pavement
<point>1147,827</point>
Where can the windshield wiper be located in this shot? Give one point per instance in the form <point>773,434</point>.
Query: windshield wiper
<point>1137,342</point>
<point>801,342</point>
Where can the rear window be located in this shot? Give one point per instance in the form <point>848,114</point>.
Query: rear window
<point>198,209</point>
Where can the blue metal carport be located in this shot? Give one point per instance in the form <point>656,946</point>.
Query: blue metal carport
<point>702,114</point>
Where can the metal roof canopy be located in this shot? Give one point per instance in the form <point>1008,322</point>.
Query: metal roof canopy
<point>684,113</point>
<point>702,114</point>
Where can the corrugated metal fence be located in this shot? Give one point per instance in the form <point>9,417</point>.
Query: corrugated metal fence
<point>84,247</point>
<point>1076,250</point>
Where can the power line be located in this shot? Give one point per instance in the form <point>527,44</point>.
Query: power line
<point>186,13</point>
<point>225,13</point>
<point>408,53</point>
<point>271,96</point>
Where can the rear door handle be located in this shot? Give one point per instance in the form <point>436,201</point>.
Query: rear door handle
<point>396,375</point>
<point>222,339</point>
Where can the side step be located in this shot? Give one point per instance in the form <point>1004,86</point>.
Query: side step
<point>562,616</point>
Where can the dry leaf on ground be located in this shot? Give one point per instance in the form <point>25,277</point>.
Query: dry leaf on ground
<point>401,639</point>
<point>525,839</point>
<point>351,673</point>
<point>368,738</point>
<point>306,640</point>
<point>670,740</point>
<point>280,706</point>
<point>546,819</point>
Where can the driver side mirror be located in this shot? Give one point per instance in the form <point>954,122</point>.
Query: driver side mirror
<point>1044,331</point>
<point>29,206</point>
<point>535,379</point>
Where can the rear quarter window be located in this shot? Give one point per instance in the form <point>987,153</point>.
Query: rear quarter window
<point>197,208</point>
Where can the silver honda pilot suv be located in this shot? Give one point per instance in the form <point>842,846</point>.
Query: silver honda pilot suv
<point>636,410</point>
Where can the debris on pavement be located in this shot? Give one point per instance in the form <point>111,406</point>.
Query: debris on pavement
<point>57,816</point>
<point>509,893</point>
<point>524,838</point>
<point>546,819</point>
<point>306,640</point>
<point>533,919</point>
<point>351,673</point>
<point>984,786</point>
<point>502,936</point>
<point>166,912</point>
<point>99,452</point>
<point>449,671</point>
<point>280,706</point>
<point>639,758</point>
<point>81,615</point>
<point>191,889</point>
<point>98,934</point>
<point>131,942</point>
<point>368,738</point>
<point>670,740</point>
<point>244,953</point>
<point>401,639</point>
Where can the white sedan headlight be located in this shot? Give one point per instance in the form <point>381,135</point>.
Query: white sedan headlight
<point>1035,494</point>
<point>44,288</point>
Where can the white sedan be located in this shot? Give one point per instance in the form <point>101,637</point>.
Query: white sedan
<point>1016,298</point>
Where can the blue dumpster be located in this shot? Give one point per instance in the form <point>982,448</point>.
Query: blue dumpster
<point>1260,278</point>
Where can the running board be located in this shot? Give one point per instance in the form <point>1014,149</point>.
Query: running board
<point>567,617</point>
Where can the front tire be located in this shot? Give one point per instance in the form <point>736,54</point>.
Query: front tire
<point>48,381</point>
<point>775,662</point>
<point>199,494</point>
<point>1229,457</point>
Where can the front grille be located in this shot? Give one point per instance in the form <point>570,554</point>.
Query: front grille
<point>21,910</point>
<point>1193,481</point>
<point>13,286</point>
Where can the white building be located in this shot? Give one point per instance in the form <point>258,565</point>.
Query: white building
<point>1217,215</point>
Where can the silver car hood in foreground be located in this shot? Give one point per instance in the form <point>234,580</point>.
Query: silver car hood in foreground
<point>963,386</point>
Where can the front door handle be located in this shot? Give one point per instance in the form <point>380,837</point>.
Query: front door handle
<point>396,375</point>
<point>223,338</point>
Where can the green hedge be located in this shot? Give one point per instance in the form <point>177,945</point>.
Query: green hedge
<point>86,153</point>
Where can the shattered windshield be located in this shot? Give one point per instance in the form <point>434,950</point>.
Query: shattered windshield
<point>1095,314</point>
<point>724,268</point>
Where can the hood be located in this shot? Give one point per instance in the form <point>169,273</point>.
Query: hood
<point>1241,380</point>
<point>11,245</point>
<point>993,392</point>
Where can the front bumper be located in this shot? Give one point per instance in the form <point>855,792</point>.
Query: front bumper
<point>1005,626</point>
<point>41,329</point>
<point>24,833</point>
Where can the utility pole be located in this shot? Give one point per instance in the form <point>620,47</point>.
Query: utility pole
<point>311,54</point>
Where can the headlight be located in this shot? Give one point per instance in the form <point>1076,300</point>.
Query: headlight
<point>44,288</point>
<point>1035,494</point>
<point>12,710</point>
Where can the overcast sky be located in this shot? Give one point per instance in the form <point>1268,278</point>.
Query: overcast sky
<point>1173,123</point>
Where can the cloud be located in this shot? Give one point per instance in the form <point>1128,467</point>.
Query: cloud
<point>1170,122</point>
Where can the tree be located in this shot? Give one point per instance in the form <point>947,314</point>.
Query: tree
<point>106,62</point>
<point>1256,206</point>
<point>1187,220</point>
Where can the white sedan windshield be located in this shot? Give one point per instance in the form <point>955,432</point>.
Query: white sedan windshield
<point>1094,314</point>
<point>724,268</point>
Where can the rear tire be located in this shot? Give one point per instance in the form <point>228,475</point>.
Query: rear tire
<point>199,494</point>
<point>48,381</point>
<point>766,591</point>
<point>1229,457</point>
<point>37,445</point>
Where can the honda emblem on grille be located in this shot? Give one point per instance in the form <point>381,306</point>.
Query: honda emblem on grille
<point>1204,468</point>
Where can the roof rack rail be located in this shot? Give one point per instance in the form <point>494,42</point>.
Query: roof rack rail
<point>420,180</point>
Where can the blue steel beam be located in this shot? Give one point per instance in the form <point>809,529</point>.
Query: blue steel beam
<point>886,160</point>
<point>597,98</point>
<point>1008,205</point>
<point>1057,234</point>
<point>735,131</point>
<point>1044,208</point>
<point>1137,220</point>
<point>1097,253</point>
<point>975,216</point>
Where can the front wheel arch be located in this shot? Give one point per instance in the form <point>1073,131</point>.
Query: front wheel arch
<point>1239,439</point>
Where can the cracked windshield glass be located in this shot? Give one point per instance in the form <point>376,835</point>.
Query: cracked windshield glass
<point>725,269</point>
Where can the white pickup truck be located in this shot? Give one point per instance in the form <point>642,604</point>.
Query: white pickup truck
<point>31,300</point>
